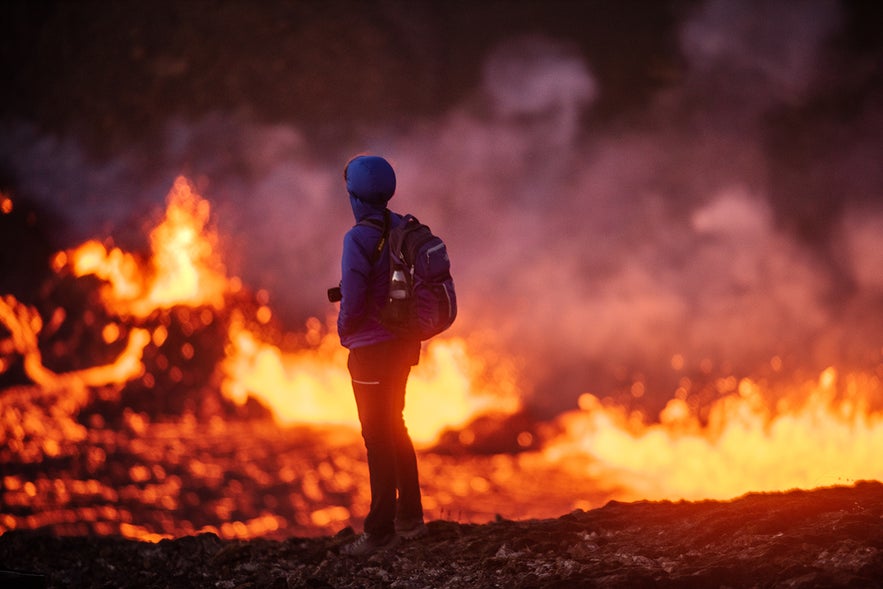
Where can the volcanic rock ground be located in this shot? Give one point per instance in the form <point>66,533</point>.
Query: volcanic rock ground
<point>831,537</point>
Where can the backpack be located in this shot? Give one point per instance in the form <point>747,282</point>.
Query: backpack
<point>421,301</point>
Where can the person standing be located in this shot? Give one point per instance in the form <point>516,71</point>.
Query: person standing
<point>379,362</point>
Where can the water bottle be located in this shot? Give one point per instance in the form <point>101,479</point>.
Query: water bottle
<point>396,314</point>
<point>398,287</point>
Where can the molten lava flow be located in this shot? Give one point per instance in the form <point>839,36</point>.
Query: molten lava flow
<point>24,325</point>
<point>184,268</point>
<point>819,434</point>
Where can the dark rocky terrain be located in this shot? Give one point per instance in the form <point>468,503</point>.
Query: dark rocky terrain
<point>831,537</point>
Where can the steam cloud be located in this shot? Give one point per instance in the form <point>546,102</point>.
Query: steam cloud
<point>589,250</point>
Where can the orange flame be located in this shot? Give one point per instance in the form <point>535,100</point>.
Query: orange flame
<point>184,268</point>
<point>446,389</point>
<point>830,436</point>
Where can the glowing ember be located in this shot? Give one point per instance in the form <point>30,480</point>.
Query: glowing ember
<point>5,204</point>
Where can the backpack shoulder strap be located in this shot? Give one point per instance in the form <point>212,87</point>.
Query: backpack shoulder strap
<point>397,238</point>
<point>384,236</point>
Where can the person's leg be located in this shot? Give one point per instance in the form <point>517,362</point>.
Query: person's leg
<point>369,369</point>
<point>409,507</point>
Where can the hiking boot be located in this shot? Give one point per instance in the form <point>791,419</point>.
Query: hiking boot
<point>369,543</point>
<point>411,529</point>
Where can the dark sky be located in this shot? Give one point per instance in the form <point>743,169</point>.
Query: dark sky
<point>115,70</point>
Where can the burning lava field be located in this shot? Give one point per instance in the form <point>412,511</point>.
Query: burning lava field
<point>159,430</point>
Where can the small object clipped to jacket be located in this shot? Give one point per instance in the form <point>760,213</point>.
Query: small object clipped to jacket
<point>422,302</point>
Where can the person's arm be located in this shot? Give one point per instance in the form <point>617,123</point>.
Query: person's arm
<point>354,286</point>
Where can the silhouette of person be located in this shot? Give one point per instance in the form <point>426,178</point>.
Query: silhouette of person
<point>379,362</point>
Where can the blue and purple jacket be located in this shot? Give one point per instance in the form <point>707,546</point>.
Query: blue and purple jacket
<point>364,286</point>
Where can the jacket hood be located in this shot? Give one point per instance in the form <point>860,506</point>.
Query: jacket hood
<point>362,210</point>
<point>370,178</point>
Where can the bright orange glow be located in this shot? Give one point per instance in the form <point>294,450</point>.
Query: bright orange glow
<point>184,268</point>
<point>24,324</point>
<point>313,386</point>
<point>821,433</point>
<point>110,333</point>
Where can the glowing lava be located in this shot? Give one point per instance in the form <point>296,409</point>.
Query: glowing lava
<point>248,477</point>
<point>25,324</point>
<point>818,434</point>
<point>447,389</point>
<point>184,268</point>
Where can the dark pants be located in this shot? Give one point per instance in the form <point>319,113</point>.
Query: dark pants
<point>380,373</point>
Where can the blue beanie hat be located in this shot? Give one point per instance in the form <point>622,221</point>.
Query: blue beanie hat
<point>370,178</point>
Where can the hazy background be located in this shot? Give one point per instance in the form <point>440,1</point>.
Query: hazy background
<point>620,183</point>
